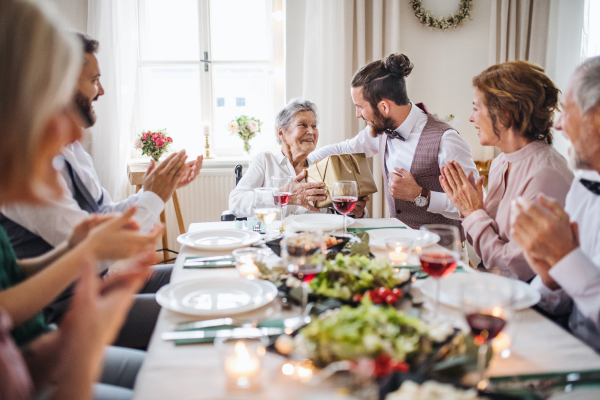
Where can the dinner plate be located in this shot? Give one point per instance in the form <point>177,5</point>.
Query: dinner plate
<point>213,297</point>
<point>219,239</point>
<point>452,286</point>
<point>326,222</point>
<point>378,237</point>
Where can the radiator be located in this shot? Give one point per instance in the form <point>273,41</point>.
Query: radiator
<point>203,200</point>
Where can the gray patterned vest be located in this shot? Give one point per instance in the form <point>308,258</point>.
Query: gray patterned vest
<point>426,171</point>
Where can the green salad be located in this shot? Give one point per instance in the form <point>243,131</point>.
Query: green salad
<point>366,331</point>
<point>346,276</point>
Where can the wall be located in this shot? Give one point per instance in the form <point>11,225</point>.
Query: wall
<point>74,13</point>
<point>445,62</point>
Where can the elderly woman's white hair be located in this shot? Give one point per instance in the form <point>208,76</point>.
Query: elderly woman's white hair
<point>285,116</point>
<point>39,67</point>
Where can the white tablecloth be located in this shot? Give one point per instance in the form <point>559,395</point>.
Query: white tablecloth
<point>195,372</point>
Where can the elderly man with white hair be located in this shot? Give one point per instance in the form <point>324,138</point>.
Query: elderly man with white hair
<point>563,246</point>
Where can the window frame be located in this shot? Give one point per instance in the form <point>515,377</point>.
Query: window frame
<point>275,68</point>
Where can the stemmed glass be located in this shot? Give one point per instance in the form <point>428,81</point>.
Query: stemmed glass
<point>344,197</point>
<point>439,260</point>
<point>265,207</point>
<point>285,187</point>
<point>487,303</point>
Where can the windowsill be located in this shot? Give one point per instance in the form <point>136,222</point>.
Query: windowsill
<point>219,162</point>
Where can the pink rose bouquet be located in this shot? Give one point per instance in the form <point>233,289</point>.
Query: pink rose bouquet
<point>154,144</point>
<point>246,128</point>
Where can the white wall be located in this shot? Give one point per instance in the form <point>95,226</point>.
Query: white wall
<point>74,13</point>
<point>445,62</point>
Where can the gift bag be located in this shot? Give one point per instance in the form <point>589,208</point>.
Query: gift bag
<point>342,167</point>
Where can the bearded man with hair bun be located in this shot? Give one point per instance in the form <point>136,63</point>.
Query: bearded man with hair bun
<point>413,144</point>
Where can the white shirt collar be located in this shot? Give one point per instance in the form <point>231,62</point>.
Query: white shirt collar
<point>282,159</point>
<point>588,174</point>
<point>409,123</point>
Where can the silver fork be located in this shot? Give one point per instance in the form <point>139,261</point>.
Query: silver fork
<point>256,227</point>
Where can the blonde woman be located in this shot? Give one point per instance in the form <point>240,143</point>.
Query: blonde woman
<point>39,65</point>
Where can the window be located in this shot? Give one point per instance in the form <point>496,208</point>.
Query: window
<point>590,43</point>
<point>210,60</point>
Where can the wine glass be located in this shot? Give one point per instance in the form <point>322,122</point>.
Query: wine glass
<point>439,260</point>
<point>285,187</point>
<point>487,302</point>
<point>303,255</point>
<point>344,197</point>
<point>265,207</point>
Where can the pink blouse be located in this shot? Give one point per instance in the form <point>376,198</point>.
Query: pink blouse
<point>536,168</point>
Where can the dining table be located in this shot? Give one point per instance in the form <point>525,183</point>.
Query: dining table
<point>195,371</point>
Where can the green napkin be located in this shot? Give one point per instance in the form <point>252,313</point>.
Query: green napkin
<point>537,386</point>
<point>269,323</point>
<point>356,230</point>
<point>220,263</point>
<point>422,274</point>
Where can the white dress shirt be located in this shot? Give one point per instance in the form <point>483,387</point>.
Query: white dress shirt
<point>399,154</point>
<point>578,273</point>
<point>263,167</point>
<point>55,220</point>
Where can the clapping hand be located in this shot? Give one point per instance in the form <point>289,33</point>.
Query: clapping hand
<point>545,234</point>
<point>192,169</point>
<point>82,229</point>
<point>464,192</point>
<point>305,192</point>
<point>164,178</point>
<point>118,237</point>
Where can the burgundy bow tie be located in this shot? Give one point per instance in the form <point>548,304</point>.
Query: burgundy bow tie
<point>394,135</point>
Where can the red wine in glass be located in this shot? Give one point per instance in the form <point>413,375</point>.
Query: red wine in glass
<point>485,325</point>
<point>344,204</point>
<point>282,198</point>
<point>438,264</point>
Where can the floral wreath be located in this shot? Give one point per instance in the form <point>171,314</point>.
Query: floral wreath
<point>453,21</point>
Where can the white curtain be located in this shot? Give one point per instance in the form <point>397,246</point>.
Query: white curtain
<point>340,37</point>
<point>114,24</point>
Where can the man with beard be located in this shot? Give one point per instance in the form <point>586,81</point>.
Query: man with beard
<point>33,231</point>
<point>413,144</point>
<point>563,246</point>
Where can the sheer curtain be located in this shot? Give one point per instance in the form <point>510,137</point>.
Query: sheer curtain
<point>114,24</point>
<point>340,37</point>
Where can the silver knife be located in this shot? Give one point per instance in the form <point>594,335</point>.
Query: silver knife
<point>202,259</point>
<point>209,323</point>
<point>201,263</point>
<point>237,333</point>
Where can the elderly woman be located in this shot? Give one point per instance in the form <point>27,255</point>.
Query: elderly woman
<point>297,132</point>
<point>513,109</point>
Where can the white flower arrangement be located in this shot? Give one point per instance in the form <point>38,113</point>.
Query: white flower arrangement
<point>453,21</point>
<point>246,128</point>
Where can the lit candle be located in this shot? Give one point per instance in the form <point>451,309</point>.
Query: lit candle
<point>206,129</point>
<point>248,268</point>
<point>398,255</point>
<point>241,365</point>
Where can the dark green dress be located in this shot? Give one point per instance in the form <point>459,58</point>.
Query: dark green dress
<point>11,275</point>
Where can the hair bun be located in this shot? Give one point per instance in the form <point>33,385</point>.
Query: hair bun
<point>398,65</point>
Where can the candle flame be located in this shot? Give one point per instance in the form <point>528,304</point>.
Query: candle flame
<point>241,351</point>
<point>497,311</point>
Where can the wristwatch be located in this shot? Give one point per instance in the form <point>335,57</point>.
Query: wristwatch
<point>422,200</point>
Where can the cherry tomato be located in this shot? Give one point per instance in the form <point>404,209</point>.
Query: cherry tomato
<point>397,291</point>
<point>357,298</point>
<point>391,299</point>
<point>383,292</point>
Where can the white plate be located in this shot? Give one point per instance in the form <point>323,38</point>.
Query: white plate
<point>451,287</point>
<point>216,296</point>
<point>377,237</point>
<point>326,222</point>
<point>219,239</point>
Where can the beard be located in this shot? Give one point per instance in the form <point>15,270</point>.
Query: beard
<point>380,123</point>
<point>84,105</point>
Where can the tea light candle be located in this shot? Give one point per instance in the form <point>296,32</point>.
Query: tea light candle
<point>241,364</point>
<point>248,269</point>
<point>206,126</point>
<point>398,251</point>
